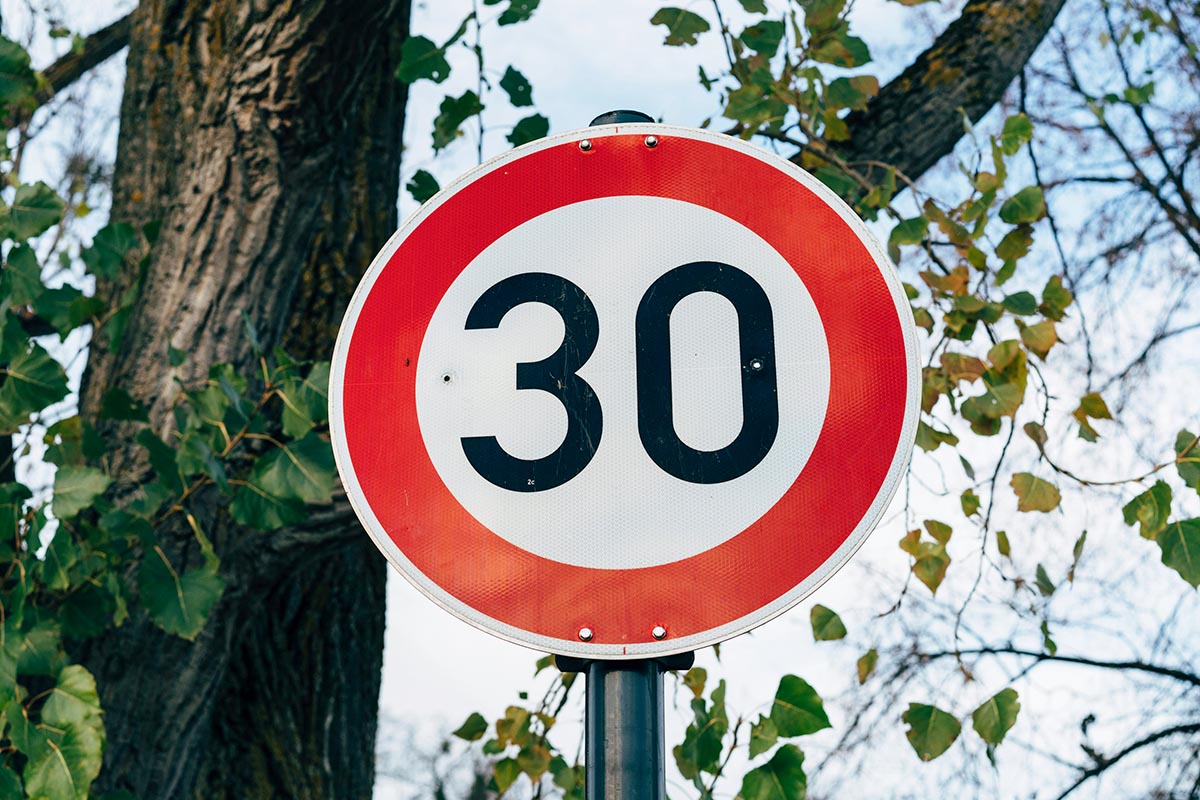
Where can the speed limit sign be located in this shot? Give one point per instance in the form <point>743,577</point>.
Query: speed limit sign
<point>626,391</point>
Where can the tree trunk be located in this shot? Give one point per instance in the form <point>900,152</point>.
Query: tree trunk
<point>265,137</point>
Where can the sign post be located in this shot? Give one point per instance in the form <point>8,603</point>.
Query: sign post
<point>620,394</point>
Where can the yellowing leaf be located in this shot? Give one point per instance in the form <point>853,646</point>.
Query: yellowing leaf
<point>826,624</point>
<point>1034,494</point>
<point>931,731</point>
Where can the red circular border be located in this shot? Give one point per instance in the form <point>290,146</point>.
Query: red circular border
<point>843,475</point>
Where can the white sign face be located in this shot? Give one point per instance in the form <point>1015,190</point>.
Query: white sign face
<point>665,518</point>
<point>624,399</point>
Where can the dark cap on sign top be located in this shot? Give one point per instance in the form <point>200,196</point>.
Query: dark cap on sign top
<point>621,116</point>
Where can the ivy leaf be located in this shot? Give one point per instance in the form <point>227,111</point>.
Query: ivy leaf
<point>66,768</point>
<point>763,736</point>
<point>76,488</point>
<point>1180,544</point>
<point>162,460</point>
<point>682,26</point>
<point>797,709</point>
<point>826,624</point>
<point>256,508</point>
<point>73,698</point>
<point>1027,205</point>
<point>763,37</point>
<point>178,603</point>
<point>931,731</point>
<point>17,80</point>
<point>305,402</point>
<point>110,246</point>
<point>421,58</point>
<point>300,470</point>
<point>996,716</point>
<point>454,111</point>
<point>33,380</point>
<point>517,87</point>
<point>866,665</point>
<point>118,404</point>
<point>1150,510</point>
<point>86,612</point>
<point>529,129</point>
<point>35,208</point>
<point>781,778</point>
<point>10,783</point>
<point>1034,494</point>
<point>422,186</point>
<point>474,728</point>
<point>21,279</point>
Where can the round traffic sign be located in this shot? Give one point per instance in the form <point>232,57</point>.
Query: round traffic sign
<point>626,391</point>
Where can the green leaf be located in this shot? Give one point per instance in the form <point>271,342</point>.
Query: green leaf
<point>1017,131</point>
<point>118,404</point>
<point>86,612</point>
<point>474,728</point>
<point>305,402</point>
<point>931,731</point>
<point>73,698</point>
<point>754,6</point>
<point>797,709</point>
<point>256,508</point>
<point>178,603</point>
<point>517,87</point>
<point>421,58</point>
<point>1027,205</point>
<point>1187,458</point>
<point>866,665</point>
<point>940,531</point>
<point>1180,544</point>
<point>929,438</point>
<point>1047,640</point>
<point>17,80</point>
<point>841,49</point>
<point>1043,582</point>
<point>505,773</point>
<point>41,651</point>
<point>822,16</point>
<point>852,93</point>
<point>61,554</point>
<point>694,679</point>
<point>996,716</point>
<point>10,783</point>
<point>454,111</point>
<point>682,26</point>
<point>1003,546</point>
<point>754,107</point>
<point>21,279</point>
<point>1022,303</point>
<point>529,129</point>
<point>702,742</point>
<point>1055,299</point>
<point>65,769</point>
<point>1034,494</point>
<point>422,186</point>
<point>76,488</point>
<point>299,470</point>
<point>110,246</point>
<point>781,778</point>
<point>931,564</point>
<point>34,209</point>
<point>763,37</point>
<point>763,736</point>
<point>534,760</point>
<point>33,380</point>
<point>1150,510</point>
<point>518,11</point>
<point>162,460</point>
<point>826,624</point>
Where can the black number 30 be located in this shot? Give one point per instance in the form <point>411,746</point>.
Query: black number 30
<point>557,374</point>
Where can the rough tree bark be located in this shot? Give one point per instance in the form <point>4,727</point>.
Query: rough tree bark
<point>917,118</point>
<point>265,137</point>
